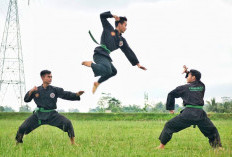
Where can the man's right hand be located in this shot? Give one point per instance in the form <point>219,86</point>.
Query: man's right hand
<point>141,67</point>
<point>34,89</point>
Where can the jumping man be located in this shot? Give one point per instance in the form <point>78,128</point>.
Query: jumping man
<point>111,40</point>
<point>45,97</point>
<point>193,114</point>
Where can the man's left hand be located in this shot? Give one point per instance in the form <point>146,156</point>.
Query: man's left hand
<point>116,17</point>
<point>185,69</point>
<point>80,93</point>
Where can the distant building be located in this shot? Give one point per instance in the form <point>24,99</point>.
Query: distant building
<point>226,99</point>
<point>108,111</point>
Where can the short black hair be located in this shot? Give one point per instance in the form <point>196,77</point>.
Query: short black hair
<point>122,20</point>
<point>195,73</point>
<point>44,72</point>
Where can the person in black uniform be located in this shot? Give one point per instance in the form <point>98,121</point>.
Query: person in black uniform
<point>193,114</point>
<point>111,40</point>
<point>45,97</point>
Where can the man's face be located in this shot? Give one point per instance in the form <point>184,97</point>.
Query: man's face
<point>122,27</point>
<point>190,78</point>
<point>47,78</point>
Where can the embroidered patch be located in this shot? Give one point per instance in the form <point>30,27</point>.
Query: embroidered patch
<point>120,43</point>
<point>37,95</point>
<point>52,95</point>
<point>196,88</point>
<point>113,33</point>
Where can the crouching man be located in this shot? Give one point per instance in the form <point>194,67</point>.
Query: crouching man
<point>193,114</point>
<point>45,97</point>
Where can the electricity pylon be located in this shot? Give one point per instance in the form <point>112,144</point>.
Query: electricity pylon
<point>12,79</point>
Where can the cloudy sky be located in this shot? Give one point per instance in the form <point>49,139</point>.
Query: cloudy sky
<point>164,34</point>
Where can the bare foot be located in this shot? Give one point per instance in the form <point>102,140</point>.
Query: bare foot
<point>75,144</point>
<point>219,149</point>
<point>18,143</point>
<point>72,140</point>
<point>87,63</point>
<point>95,85</point>
<point>161,146</point>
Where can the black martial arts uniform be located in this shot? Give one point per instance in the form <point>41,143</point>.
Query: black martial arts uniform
<point>45,100</point>
<point>193,114</point>
<point>113,40</point>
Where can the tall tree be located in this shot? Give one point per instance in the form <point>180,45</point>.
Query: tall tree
<point>212,105</point>
<point>2,109</point>
<point>114,105</point>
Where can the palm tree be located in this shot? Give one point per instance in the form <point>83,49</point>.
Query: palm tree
<point>212,105</point>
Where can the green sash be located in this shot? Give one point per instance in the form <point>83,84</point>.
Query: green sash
<point>41,109</point>
<point>193,106</point>
<point>102,45</point>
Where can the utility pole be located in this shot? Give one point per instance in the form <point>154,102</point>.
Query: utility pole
<point>12,79</point>
<point>146,103</point>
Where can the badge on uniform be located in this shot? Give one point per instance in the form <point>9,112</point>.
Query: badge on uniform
<point>37,95</point>
<point>113,33</point>
<point>120,43</point>
<point>52,95</point>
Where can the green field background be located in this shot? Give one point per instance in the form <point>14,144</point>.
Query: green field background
<point>108,134</point>
<point>115,116</point>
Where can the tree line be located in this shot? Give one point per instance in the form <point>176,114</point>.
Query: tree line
<point>112,104</point>
<point>108,103</point>
<point>26,108</point>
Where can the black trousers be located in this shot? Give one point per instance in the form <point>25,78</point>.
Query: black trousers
<point>55,119</point>
<point>191,116</point>
<point>103,67</point>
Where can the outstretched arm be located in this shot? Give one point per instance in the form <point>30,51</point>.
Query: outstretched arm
<point>130,55</point>
<point>30,94</point>
<point>68,95</point>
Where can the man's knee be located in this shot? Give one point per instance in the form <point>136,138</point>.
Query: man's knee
<point>67,123</point>
<point>114,73</point>
<point>108,72</point>
<point>167,124</point>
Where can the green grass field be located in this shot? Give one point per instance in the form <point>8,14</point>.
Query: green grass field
<point>110,138</point>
